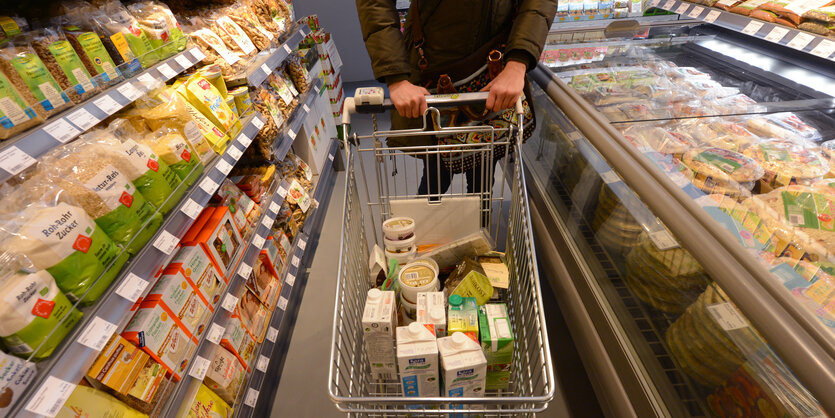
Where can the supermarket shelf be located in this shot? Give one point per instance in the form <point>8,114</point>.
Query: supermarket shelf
<point>57,376</point>
<point>560,21</point>
<point>270,355</point>
<point>185,391</point>
<point>21,151</point>
<point>570,24</point>
<point>818,45</point>
<point>284,141</point>
<point>259,71</point>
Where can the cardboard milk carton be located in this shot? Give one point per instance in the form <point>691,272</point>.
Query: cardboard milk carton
<point>464,366</point>
<point>497,342</point>
<point>417,360</point>
<point>378,324</point>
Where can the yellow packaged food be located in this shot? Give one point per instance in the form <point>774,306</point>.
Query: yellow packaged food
<point>201,94</point>
<point>208,404</point>
<point>88,402</point>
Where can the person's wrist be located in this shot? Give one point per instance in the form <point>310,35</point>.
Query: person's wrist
<point>517,67</point>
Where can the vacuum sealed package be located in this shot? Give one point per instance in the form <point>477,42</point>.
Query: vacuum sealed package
<point>29,70</point>
<point>64,64</point>
<point>122,34</point>
<point>96,175</point>
<point>787,164</point>
<point>160,26</point>
<point>46,225</point>
<point>36,315</point>
<point>17,106</point>
<point>11,26</point>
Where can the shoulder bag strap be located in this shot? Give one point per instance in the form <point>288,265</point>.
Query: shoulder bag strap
<point>417,34</point>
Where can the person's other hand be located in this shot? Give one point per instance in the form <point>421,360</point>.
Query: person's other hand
<point>506,87</point>
<point>408,99</point>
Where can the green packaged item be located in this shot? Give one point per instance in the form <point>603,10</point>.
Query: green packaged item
<point>37,77</point>
<point>496,336</point>
<point>35,315</point>
<point>79,27</point>
<point>161,27</point>
<point>64,64</point>
<point>462,316</point>
<point>16,115</point>
<point>469,280</point>
<point>122,33</point>
<point>176,151</point>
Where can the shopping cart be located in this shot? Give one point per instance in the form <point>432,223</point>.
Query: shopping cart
<point>438,217</point>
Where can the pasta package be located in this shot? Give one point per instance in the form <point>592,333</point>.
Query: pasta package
<point>216,51</point>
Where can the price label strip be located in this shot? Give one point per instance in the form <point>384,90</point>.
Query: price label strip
<point>245,139</point>
<point>166,242</point>
<point>682,8</point>
<point>129,91</point>
<point>244,270</point>
<point>224,167</point>
<point>295,261</point>
<point>199,368</point>
<point>712,16</point>
<point>197,54</point>
<point>824,49</point>
<point>302,244</point>
<point>726,316</point>
<point>182,61</point>
<point>282,303</point>
<point>14,160</point>
<point>262,364</point>
<point>61,131</point>
<point>167,71</point>
<point>291,133</point>
<point>801,40</point>
<point>208,185</point>
<point>258,242</point>
<point>776,34</point>
<point>669,4</point>
<point>266,69</point>
<point>258,123</point>
<point>132,287</point>
<point>96,334</point>
<point>274,207</point>
<point>50,397</point>
<point>281,192</point>
<point>287,48</point>
<point>83,119</point>
<point>752,27</point>
<point>251,396</point>
<point>290,280</point>
<point>107,104</point>
<point>695,12</point>
<point>234,152</point>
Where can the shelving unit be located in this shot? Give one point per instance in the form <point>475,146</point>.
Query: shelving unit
<point>263,67</point>
<point>285,140</point>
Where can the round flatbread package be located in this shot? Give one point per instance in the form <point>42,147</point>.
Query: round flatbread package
<point>786,163</point>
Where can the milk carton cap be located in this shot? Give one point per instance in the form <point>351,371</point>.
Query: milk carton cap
<point>374,294</point>
<point>415,332</point>
<point>415,329</point>
<point>436,313</point>
<point>459,340</point>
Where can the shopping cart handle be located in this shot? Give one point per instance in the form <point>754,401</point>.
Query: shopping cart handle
<point>378,104</point>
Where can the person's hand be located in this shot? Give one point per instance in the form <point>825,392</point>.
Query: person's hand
<point>408,99</point>
<point>506,87</point>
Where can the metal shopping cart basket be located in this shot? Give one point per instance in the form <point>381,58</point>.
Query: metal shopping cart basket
<point>438,217</point>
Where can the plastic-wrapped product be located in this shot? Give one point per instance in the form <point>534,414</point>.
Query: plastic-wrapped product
<point>121,33</point>
<point>26,66</point>
<point>207,404</point>
<point>772,17</point>
<point>262,11</point>
<point>88,402</point>
<point>298,73</point>
<point>36,315</point>
<point>11,26</point>
<point>201,94</point>
<point>87,43</point>
<point>160,25</point>
<point>216,52</point>
<point>173,148</point>
<point>96,175</point>
<point>793,10</point>
<point>260,37</point>
<point>17,107</point>
<point>787,128</point>
<point>46,225</point>
<point>722,170</point>
<point>746,7</point>
<point>64,64</point>
<point>787,164</point>
<point>233,36</point>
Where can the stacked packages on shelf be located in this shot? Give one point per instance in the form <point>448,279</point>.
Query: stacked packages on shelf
<point>571,10</point>
<point>816,16</point>
<point>329,66</point>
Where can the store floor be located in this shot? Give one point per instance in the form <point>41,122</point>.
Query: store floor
<point>303,388</point>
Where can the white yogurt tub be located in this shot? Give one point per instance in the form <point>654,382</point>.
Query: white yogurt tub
<point>416,277</point>
<point>402,258</point>
<point>409,308</point>
<point>400,246</point>
<point>400,228</point>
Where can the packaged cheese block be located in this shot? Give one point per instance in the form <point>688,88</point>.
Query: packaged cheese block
<point>196,266</point>
<point>177,297</point>
<point>15,377</point>
<point>201,94</point>
<point>34,314</point>
<point>58,236</point>
<point>238,340</point>
<point>157,333</point>
<point>16,112</point>
<point>88,402</point>
<point>787,164</point>
<point>207,404</point>
<point>35,76</point>
<point>225,375</point>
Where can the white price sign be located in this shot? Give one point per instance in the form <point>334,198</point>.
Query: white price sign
<point>654,3</point>
<point>132,287</point>
<point>669,4</point>
<point>129,91</point>
<point>753,27</point>
<point>824,49</point>
<point>274,208</point>
<point>262,364</point>
<point>197,54</point>
<point>266,69</point>
<point>801,40</point>
<point>272,334</point>
<point>258,122</point>
<point>610,177</point>
<point>302,244</point>
<point>291,133</point>
<point>727,316</point>
<point>224,167</point>
<point>282,303</point>
<point>330,157</point>
<point>208,185</point>
<point>712,16</point>
<point>295,261</point>
<point>306,108</point>
<point>192,209</point>
<point>316,88</point>
<point>199,368</point>
<point>167,71</point>
<point>183,61</point>
<point>682,8</point>
<point>267,222</point>
<point>234,152</point>
<point>776,34</point>
<point>244,138</point>
<point>107,104</point>
<point>287,48</point>
<point>49,398</point>
<point>258,242</point>
<point>695,12</point>
<point>14,160</point>
<point>663,240</point>
<point>251,398</point>
<point>96,334</point>
<point>147,80</point>
<point>281,192</point>
<point>244,270</point>
<point>61,130</point>
<point>83,119</point>
<point>166,242</point>
<point>229,302</point>
<point>215,333</point>
<point>290,280</point>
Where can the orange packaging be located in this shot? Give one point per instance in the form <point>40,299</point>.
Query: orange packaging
<point>182,301</point>
<point>220,240</point>
<point>193,263</point>
<point>118,365</point>
<point>157,333</point>
<point>238,340</point>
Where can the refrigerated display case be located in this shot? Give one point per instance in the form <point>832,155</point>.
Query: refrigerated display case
<point>682,209</point>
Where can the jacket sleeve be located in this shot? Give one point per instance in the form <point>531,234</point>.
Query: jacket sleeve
<point>383,40</point>
<point>530,28</point>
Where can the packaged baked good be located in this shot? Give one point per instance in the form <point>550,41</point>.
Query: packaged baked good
<point>819,27</point>
<point>771,127</point>
<point>786,164</point>
<point>793,10</point>
<point>264,13</point>
<point>24,69</point>
<point>17,107</point>
<point>207,99</point>
<point>736,104</point>
<point>122,35</point>
<point>772,17</point>
<point>298,73</point>
<point>64,64</point>
<point>746,7</point>
<point>45,225</point>
<point>216,52</point>
<point>663,140</point>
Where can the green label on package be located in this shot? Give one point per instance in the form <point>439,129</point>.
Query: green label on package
<point>13,110</point>
<point>722,161</point>
<point>71,64</point>
<point>39,81</point>
<point>94,48</point>
<point>809,210</point>
<point>475,285</point>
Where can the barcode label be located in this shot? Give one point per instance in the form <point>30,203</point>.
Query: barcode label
<point>795,214</point>
<point>215,333</point>
<point>291,279</point>
<point>229,302</point>
<point>245,270</point>
<point>191,208</point>
<point>257,122</point>
<point>282,303</point>
<point>251,394</point>
<point>244,138</point>
<point>107,104</point>
<point>83,119</point>
<point>663,240</point>
<point>258,242</point>
<point>166,242</point>
<point>61,131</point>
<point>411,276</point>
<point>267,71</point>
<point>272,334</point>
<point>295,261</point>
<point>262,364</point>
<point>14,160</point>
<point>234,152</point>
<point>727,316</point>
<point>224,167</point>
<point>96,334</point>
<point>199,368</point>
<point>610,177</point>
<point>129,91</point>
<point>50,397</point>
<point>208,185</point>
<point>132,287</point>
<point>167,71</point>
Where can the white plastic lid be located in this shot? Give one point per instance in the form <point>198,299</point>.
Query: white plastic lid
<point>436,313</point>
<point>414,329</point>
<point>374,294</point>
<point>459,340</point>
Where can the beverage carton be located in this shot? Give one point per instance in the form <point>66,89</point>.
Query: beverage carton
<point>417,359</point>
<point>464,366</point>
<point>378,333</point>
<point>431,310</point>
<point>497,343</point>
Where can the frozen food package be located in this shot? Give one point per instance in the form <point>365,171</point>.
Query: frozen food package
<point>24,69</point>
<point>44,224</point>
<point>161,27</point>
<point>207,404</point>
<point>17,107</point>
<point>88,402</point>
<point>121,33</point>
<point>786,164</point>
<point>36,315</point>
<point>96,176</point>
<point>175,150</point>
<point>64,64</point>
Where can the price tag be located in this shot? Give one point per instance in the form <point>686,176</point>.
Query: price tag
<point>776,34</point>
<point>282,303</point>
<point>267,222</point>
<point>727,316</point>
<point>132,287</point>
<point>258,242</point>
<point>712,16</point>
<point>244,270</point>
<point>824,49</point>
<point>61,130</point>
<point>669,4</point>
<point>330,157</point>
<point>696,11</point>
<point>316,88</point>
<point>654,3</point>
<point>197,54</point>
<point>224,167</point>
<point>682,8</point>
<point>290,280</point>
<point>167,71</point>
<point>107,104</point>
<point>183,61</point>
<point>262,364</point>
<point>50,397</point>
<point>166,242</point>
<point>251,398</point>
<point>245,139</point>
<point>14,160</point>
<point>274,207</point>
<point>610,177</point>
<point>267,71</point>
<point>302,244</point>
<point>129,91</point>
<point>281,192</point>
<point>663,240</point>
<point>295,261</point>
<point>272,334</point>
<point>301,32</point>
<point>801,40</point>
<point>234,152</point>
<point>306,108</point>
<point>291,133</point>
<point>83,119</point>
<point>287,48</point>
<point>229,302</point>
<point>147,80</point>
<point>753,27</point>
<point>96,334</point>
<point>215,333</point>
<point>208,185</point>
<point>199,368</point>
<point>191,208</point>
<point>257,122</point>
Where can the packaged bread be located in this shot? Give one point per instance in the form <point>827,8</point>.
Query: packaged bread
<point>24,69</point>
<point>821,14</point>
<point>36,316</point>
<point>746,7</point>
<point>64,64</point>
<point>17,106</point>
<point>121,33</point>
<point>96,176</point>
<point>45,225</point>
